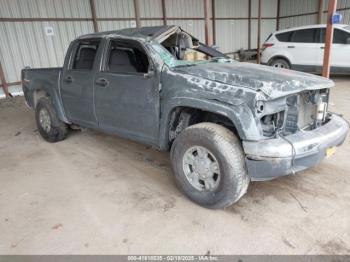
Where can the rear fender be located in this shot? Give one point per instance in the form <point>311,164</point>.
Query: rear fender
<point>40,88</point>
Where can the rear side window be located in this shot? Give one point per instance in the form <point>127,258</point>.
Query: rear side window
<point>284,37</point>
<point>85,55</point>
<point>304,36</point>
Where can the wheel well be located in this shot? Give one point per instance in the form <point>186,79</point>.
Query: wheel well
<point>279,57</point>
<point>183,117</point>
<point>39,93</point>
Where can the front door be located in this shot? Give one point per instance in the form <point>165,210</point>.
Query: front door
<point>340,52</point>
<point>127,93</point>
<point>77,82</point>
<point>340,60</point>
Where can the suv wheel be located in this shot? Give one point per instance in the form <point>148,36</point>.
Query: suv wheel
<point>50,127</point>
<point>280,63</point>
<point>209,166</point>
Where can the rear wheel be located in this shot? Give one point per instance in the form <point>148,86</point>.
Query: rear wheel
<point>280,63</point>
<point>50,127</point>
<point>209,165</point>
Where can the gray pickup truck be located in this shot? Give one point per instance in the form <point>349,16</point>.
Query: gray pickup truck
<point>225,123</point>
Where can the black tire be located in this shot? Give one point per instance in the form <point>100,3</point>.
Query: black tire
<point>58,129</point>
<point>280,63</point>
<point>227,150</point>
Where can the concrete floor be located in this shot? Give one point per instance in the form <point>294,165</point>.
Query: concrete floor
<point>99,194</point>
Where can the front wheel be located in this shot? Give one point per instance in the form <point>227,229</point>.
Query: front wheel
<point>50,127</point>
<point>209,166</point>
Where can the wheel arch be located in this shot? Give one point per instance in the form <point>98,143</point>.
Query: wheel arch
<point>280,57</point>
<point>192,113</point>
<point>41,89</point>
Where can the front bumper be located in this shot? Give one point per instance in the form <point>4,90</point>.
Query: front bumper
<point>268,159</point>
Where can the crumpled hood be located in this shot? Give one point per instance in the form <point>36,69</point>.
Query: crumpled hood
<point>274,82</point>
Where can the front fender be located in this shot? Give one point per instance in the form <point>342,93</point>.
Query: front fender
<point>240,115</point>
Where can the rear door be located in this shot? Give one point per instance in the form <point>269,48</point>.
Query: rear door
<point>77,81</point>
<point>304,48</point>
<point>127,92</point>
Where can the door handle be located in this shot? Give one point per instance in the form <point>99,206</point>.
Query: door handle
<point>102,82</point>
<point>322,47</point>
<point>68,79</point>
<point>149,74</point>
<point>291,46</point>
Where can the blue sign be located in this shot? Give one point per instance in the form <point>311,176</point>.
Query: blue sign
<point>336,18</point>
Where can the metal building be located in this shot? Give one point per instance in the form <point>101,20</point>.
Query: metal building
<point>36,33</point>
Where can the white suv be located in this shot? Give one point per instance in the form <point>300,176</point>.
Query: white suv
<point>301,48</point>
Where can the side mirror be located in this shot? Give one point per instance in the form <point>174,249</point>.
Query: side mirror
<point>150,74</point>
<point>215,47</point>
<point>348,41</point>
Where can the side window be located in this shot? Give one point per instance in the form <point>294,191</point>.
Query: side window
<point>127,57</point>
<point>284,37</point>
<point>85,55</point>
<point>304,36</point>
<point>340,37</point>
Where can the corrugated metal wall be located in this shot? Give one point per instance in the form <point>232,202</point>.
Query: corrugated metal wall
<point>44,8</point>
<point>268,25</point>
<point>310,9</point>
<point>297,7</point>
<point>233,16</point>
<point>25,43</point>
<point>187,9</point>
<point>231,34</point>
<point>341,5</point>
<point>115,9</point>
<point>151,9</point>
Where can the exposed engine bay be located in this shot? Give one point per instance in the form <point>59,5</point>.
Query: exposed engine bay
<point>304,111</point>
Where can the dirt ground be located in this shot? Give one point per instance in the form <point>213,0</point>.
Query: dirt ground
<point>98,194</point>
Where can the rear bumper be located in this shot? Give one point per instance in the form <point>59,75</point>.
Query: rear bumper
<point>268,159</point>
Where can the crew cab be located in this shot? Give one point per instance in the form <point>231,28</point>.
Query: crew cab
<point>225,123</point>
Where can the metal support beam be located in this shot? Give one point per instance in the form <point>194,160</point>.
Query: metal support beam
<point>320,11</point>
<point>4,83</point>
<point>249,24</point>
<point>332,7</point>
<point>208,37</point>
<point>137,13</point>
<point>93,14</point>
<point>165,22</point>
<point>213,21</point>
<point>259,33</point>
<point>278,15</point>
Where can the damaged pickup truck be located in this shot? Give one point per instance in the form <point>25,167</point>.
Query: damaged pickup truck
<point>225,123</point>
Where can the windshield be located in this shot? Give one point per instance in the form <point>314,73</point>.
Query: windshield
<point>172,61</point>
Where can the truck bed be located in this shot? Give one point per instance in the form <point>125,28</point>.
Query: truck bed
<point>39,79</point>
